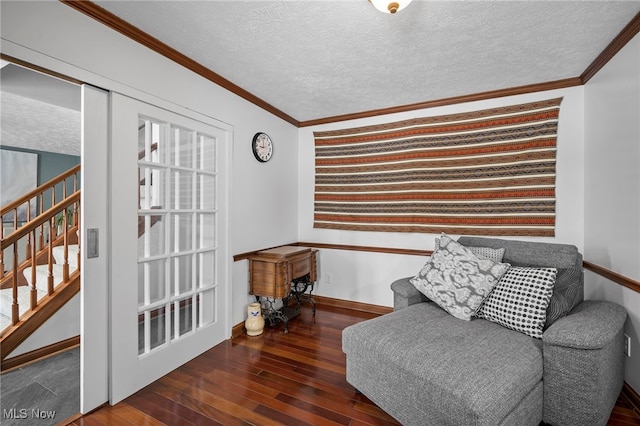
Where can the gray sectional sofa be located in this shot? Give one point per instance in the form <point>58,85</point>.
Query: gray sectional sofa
<point>423,366</point>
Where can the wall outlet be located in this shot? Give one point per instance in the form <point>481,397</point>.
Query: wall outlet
<point>627,345</point>
<point>327,279</point>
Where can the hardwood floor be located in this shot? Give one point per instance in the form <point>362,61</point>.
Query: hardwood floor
<point>623,414</point>
<point>292,379</point>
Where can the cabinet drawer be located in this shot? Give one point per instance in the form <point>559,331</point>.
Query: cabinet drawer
<point>300,267</point>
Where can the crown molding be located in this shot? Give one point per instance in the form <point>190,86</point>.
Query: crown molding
<point>112,21</point>
<point>614,47</point>
<point>531,88</point>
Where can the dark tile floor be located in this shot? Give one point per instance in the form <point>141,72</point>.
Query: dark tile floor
<point>43,393</point>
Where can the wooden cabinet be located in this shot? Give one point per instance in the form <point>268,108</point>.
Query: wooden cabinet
<point>272,271</point>
<point>286,273</point>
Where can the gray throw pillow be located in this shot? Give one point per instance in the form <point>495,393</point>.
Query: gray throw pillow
<point>483,252</point>
<point>456,279</point>
<point>567,286</point>
<point>488,253</point>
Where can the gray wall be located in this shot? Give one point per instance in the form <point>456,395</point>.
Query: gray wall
<point>612,182</point>
<point>50,165</point>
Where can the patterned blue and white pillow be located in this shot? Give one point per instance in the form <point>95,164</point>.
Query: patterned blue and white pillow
<point>520,300</point>
<point>456,279</point>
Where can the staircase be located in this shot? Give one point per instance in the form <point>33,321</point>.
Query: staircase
<point>39,257</point>
<point>41,279</point>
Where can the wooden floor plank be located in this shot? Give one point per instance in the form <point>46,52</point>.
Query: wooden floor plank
<point>92,421</point>
<point>109,416</point>
<point>136,416</point>
<point>216,416</point>
<point>295,378</point>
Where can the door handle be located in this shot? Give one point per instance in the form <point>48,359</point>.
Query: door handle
<point>92,243</point>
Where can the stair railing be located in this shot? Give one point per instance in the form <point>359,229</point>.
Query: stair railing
<point>69,209</point>
<point>34,204</point>
<point>54,226</point>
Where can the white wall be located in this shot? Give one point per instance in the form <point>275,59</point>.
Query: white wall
<point>612,182</point>
<point>264,196</point>
<point>365,277</point>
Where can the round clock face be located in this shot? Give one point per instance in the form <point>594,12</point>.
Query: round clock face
<point>262,147</point>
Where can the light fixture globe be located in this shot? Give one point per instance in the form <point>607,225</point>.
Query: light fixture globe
<point>390,6</point>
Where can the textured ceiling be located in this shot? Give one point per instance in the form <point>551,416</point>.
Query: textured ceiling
<point>318,59</point>
<point>39,112</point>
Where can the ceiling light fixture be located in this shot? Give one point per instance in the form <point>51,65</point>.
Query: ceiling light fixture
<point>390,6</point>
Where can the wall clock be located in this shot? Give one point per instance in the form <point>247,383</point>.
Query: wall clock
<point>262,147</point>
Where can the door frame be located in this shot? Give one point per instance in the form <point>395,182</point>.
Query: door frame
<point>94,209</point>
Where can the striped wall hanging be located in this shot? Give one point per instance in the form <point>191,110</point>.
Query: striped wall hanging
<point>489,172</point>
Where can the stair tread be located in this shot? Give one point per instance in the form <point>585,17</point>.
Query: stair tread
<point>24,298</point>
<point>72,256</point>
<point>42,275</point>
<point>6,300</point>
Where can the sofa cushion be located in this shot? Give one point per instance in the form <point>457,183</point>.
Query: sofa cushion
<point>456,279</point>
<point>459,372</point>
<point>568,291</point>
<point>528,253</point>
<point>520,300</point>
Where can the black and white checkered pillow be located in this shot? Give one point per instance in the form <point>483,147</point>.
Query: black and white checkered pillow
<point>519,301</point>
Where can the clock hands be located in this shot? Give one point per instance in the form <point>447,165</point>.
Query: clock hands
<point>262,147</point>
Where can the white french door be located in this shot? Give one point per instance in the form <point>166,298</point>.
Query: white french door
<point>169,256</point>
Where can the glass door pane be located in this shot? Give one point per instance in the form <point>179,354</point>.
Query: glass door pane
<point>176,232</point>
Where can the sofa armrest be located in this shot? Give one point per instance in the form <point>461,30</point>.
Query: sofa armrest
<point>591,325</point>
<point>584,364</point>
<point>405,294</point>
